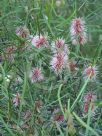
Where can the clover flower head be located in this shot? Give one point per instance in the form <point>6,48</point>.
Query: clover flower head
<point>58,62</point>
<point>90,72</point>
<point>36,75</point>
<point>89,100</point>
<point>39,41</point>
<point>78,31</point>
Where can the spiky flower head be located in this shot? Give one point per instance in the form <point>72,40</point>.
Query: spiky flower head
<point>36,75</point>
<point>39,41</point>
<point>22,31</point>
<point>90,72</point>
<point>78,31</point>
<point>90,97</point>
<point>58,62</point>
<point>59,46</point>
<point>59,43</point>
<point>89,100</point>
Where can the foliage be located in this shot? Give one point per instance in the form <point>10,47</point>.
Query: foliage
<point>37,108</point>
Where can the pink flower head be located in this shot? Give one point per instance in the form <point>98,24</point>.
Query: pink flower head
<point>89,98</point>
<point>78,31</point>
<point>59,43</point>
<point>39,41</point>
<point>90,72</point>
<point>59,46</point>
<point>86,107</point>
<point>59,62</point>
<point>36,75</point>
<point>57,116</point>
<point>22,32</point>
<point>16,100</point>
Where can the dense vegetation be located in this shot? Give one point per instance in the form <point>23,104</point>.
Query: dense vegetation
<point>50,67</point>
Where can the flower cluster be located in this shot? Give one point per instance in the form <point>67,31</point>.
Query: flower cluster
<point>60,55</point>
<point>50,68</point>
<point>60,59</point>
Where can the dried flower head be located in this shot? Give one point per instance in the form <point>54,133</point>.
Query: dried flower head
<point>39,41</point>
<point>59,62</point>
<point>36,75</point>
<point>27,115</point>
<point>38,105</point>
<point>90,72</point>
<point>78,31</point>
<point>9,53</point>
<point>89,100</point>
<point>58,118</point>
<point>22,32</point>
<point>72,65</point>
<point>16,100</point>
<point>57,115</point>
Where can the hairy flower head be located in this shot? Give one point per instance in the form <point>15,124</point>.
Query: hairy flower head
<point>36,75</point>
<point>78,31</point>
<point>39,41</point>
